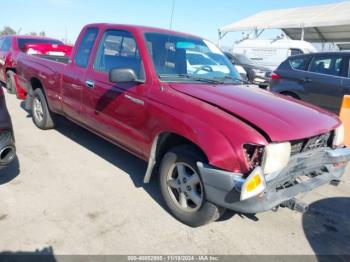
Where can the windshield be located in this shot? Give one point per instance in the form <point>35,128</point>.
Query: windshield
<point>243,60</point>
<point>182,59</point>
<point>23,41</point>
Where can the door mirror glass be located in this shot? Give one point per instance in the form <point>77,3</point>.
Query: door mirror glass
<point>124,75</point>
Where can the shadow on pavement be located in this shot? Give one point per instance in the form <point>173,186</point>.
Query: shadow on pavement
<point>10,172</point>
<point>327,227</point>
<point>133,166</point>
<point>44,255</point>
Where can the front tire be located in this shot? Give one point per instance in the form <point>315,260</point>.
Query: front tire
<point>183,190</point>
<point>42,117</point>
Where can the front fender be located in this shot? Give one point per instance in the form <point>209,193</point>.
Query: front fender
<point>221,137</point>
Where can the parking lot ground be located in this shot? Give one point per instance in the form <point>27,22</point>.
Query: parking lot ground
<point>79,194</point>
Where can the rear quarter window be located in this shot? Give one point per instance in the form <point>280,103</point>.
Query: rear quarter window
<point>299,63</point>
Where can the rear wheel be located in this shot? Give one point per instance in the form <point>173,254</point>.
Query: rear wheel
<point>10,82</point>
<point>42,117</point>
<point>183,190</point>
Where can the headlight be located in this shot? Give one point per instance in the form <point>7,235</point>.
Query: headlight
<point>276,157</point>
<point>339,136</point>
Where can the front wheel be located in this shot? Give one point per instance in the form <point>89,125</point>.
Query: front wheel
<point>42,117</point>
<point>183,189</point>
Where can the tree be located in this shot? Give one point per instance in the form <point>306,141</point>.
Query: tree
<point>7,31</point>
<point>33,33</point>
<point>42,33</point>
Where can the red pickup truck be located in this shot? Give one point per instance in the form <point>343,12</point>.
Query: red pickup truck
<point>13,45</point>
<point>175,101</point>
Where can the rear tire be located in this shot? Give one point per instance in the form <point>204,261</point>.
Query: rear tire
<point>42,116</point>
<point>182,187</point>
<point>10,82</point>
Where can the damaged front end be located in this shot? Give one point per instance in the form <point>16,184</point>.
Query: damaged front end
<point>286,170</point>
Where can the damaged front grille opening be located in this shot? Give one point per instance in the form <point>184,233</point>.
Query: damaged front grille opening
<point>305,145</point>
<point>254,155</point>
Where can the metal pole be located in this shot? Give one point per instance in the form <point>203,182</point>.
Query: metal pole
<point>302,34</point>
<point>219,41</point>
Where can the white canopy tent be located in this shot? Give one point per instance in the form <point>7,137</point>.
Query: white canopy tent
<point>323,23</point>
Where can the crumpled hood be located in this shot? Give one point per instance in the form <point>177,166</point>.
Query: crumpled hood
<point>281,118</point>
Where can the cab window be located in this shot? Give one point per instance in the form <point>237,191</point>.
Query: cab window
<point>118,50</point>
<point>295,51</point>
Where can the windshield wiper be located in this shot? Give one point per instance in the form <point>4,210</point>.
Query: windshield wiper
<point>194,78</point>
<point>201,79</point>
<point>236,79</point>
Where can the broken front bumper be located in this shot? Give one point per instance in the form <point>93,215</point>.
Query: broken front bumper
<point>305,172</point>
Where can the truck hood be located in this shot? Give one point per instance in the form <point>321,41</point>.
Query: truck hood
<point>279,117</point>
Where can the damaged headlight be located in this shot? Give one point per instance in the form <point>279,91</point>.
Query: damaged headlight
<point>276,157</point>
<point>339,136</point>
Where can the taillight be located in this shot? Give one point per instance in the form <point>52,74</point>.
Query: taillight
<point>275,76</point>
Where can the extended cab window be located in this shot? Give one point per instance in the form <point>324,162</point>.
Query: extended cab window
<point>118,50</point>
<point>328,65</point>
<point>6,45</point>
<point>84,51</point>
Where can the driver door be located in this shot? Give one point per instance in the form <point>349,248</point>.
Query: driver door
<point>118,111</point>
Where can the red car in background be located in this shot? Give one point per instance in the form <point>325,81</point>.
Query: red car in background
<point>12,45</point>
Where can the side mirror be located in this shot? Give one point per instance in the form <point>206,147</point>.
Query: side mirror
<point>124,75</point>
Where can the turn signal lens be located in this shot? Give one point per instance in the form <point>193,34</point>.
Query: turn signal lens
<point>254,183</point>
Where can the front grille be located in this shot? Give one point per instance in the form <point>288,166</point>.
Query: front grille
<point>304,145</point>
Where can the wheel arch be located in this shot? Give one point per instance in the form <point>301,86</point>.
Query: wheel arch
<point>10,69</point>
<point>162,144</point>
<point>33,84</point>
<point>291,93</point>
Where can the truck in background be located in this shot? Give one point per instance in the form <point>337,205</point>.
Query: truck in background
<point>271,53</point>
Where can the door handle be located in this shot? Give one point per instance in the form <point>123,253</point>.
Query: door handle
<point>307,80</point>
<point>90,84</point>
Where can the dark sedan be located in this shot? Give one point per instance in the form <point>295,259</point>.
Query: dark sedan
<point>254,73</point>
<point>321,79</point>
<point>7,144</point>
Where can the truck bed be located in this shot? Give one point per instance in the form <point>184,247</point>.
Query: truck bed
<point>59,59</point>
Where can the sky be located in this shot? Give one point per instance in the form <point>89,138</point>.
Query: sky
<point>61,18</point>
